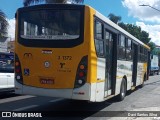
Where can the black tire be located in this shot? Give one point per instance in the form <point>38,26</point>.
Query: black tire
<point>123,90</point>
<point>157,72</point>
<point>153,73</point>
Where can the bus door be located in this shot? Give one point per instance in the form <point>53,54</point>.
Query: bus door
<point>111,61</point>
<point>135,62</point>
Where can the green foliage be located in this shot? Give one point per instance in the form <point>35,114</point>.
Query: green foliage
<point>136,32</point>
<point>114,18</point>
<point>152,45</point>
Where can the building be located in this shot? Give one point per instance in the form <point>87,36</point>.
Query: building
<point>10,46</point>
<point>6,45</point>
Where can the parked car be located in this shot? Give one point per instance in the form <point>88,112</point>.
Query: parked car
<point>6,72</point>
<point>154,68</point>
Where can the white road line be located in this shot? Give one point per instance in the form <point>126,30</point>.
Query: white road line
<point>56,100</point>
<point>24,108</point>
<point>6,100</point>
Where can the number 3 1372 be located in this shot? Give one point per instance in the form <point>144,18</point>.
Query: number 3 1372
<point>64,57</point>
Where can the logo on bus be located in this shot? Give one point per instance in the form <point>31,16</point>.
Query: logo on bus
<point>27,55</point>
<point>26,71</point>
<point>62,65</point>
<point>47,64</point>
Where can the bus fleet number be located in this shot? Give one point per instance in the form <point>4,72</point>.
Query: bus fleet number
<point>64,57</point>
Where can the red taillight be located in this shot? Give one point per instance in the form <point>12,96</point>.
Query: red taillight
<point>81,74</point>
<point>17,70</point>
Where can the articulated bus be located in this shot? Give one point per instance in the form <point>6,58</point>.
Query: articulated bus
<point>74,52</point>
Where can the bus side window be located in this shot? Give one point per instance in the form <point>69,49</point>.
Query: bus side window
<point>98,30</point>
<point>121,47</point>
<point>128,49</point>
<point>99,42</point>
<point>141,54</point>
<point>145,55</point>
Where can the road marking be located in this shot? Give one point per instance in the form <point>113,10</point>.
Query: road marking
<point>56,100</point>
<point>15,98</point>
<point>24,108</point>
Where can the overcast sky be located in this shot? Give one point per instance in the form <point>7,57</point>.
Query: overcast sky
<point>147,18</point>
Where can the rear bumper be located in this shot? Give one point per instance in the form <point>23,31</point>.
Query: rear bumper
<point>7,90</point>
<point>82,93</point>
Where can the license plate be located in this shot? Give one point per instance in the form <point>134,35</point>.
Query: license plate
<point>47,81</point>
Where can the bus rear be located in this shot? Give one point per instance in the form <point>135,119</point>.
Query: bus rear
<point>51,55</point>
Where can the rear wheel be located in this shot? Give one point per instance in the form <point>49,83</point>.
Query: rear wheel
<point>123,90</point>
<point>157,72</point>
<point>153,73</point>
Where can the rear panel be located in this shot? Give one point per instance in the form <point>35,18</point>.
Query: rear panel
<point>59,67</point>
<point>50,58</point>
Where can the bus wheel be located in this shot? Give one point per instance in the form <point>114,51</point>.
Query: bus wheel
<point>123,90</point>
<point>158,72</point>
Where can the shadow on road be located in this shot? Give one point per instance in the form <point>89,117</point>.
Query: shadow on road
<point>153,83</point>
<point>7,95</point>
<point>73,109</point>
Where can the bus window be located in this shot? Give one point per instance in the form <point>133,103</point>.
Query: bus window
<point>61,28</point>
<point>98,30</point>
<point>121,47</point>
<point>50,25</point>
<point>128,49</point>
<point>99,39</point>
<point>99,47</point>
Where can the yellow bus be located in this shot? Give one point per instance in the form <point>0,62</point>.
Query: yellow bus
<point>74,52</point>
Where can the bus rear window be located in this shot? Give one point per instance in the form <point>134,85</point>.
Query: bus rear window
<point>50,24</point>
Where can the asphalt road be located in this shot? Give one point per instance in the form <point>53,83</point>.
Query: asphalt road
<point>142,99</point>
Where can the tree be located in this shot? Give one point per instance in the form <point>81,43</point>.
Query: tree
<point>29,2</point>
<point>145,37</point>
<point>114,18</point>
<point>3,24</point>
<point>152,45</point>
<point>136,31</point>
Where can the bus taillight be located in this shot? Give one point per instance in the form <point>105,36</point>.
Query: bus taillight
<point>18,71</point>
<point>17,64</point>
<point>82,67</point>
<point>81,75</point>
